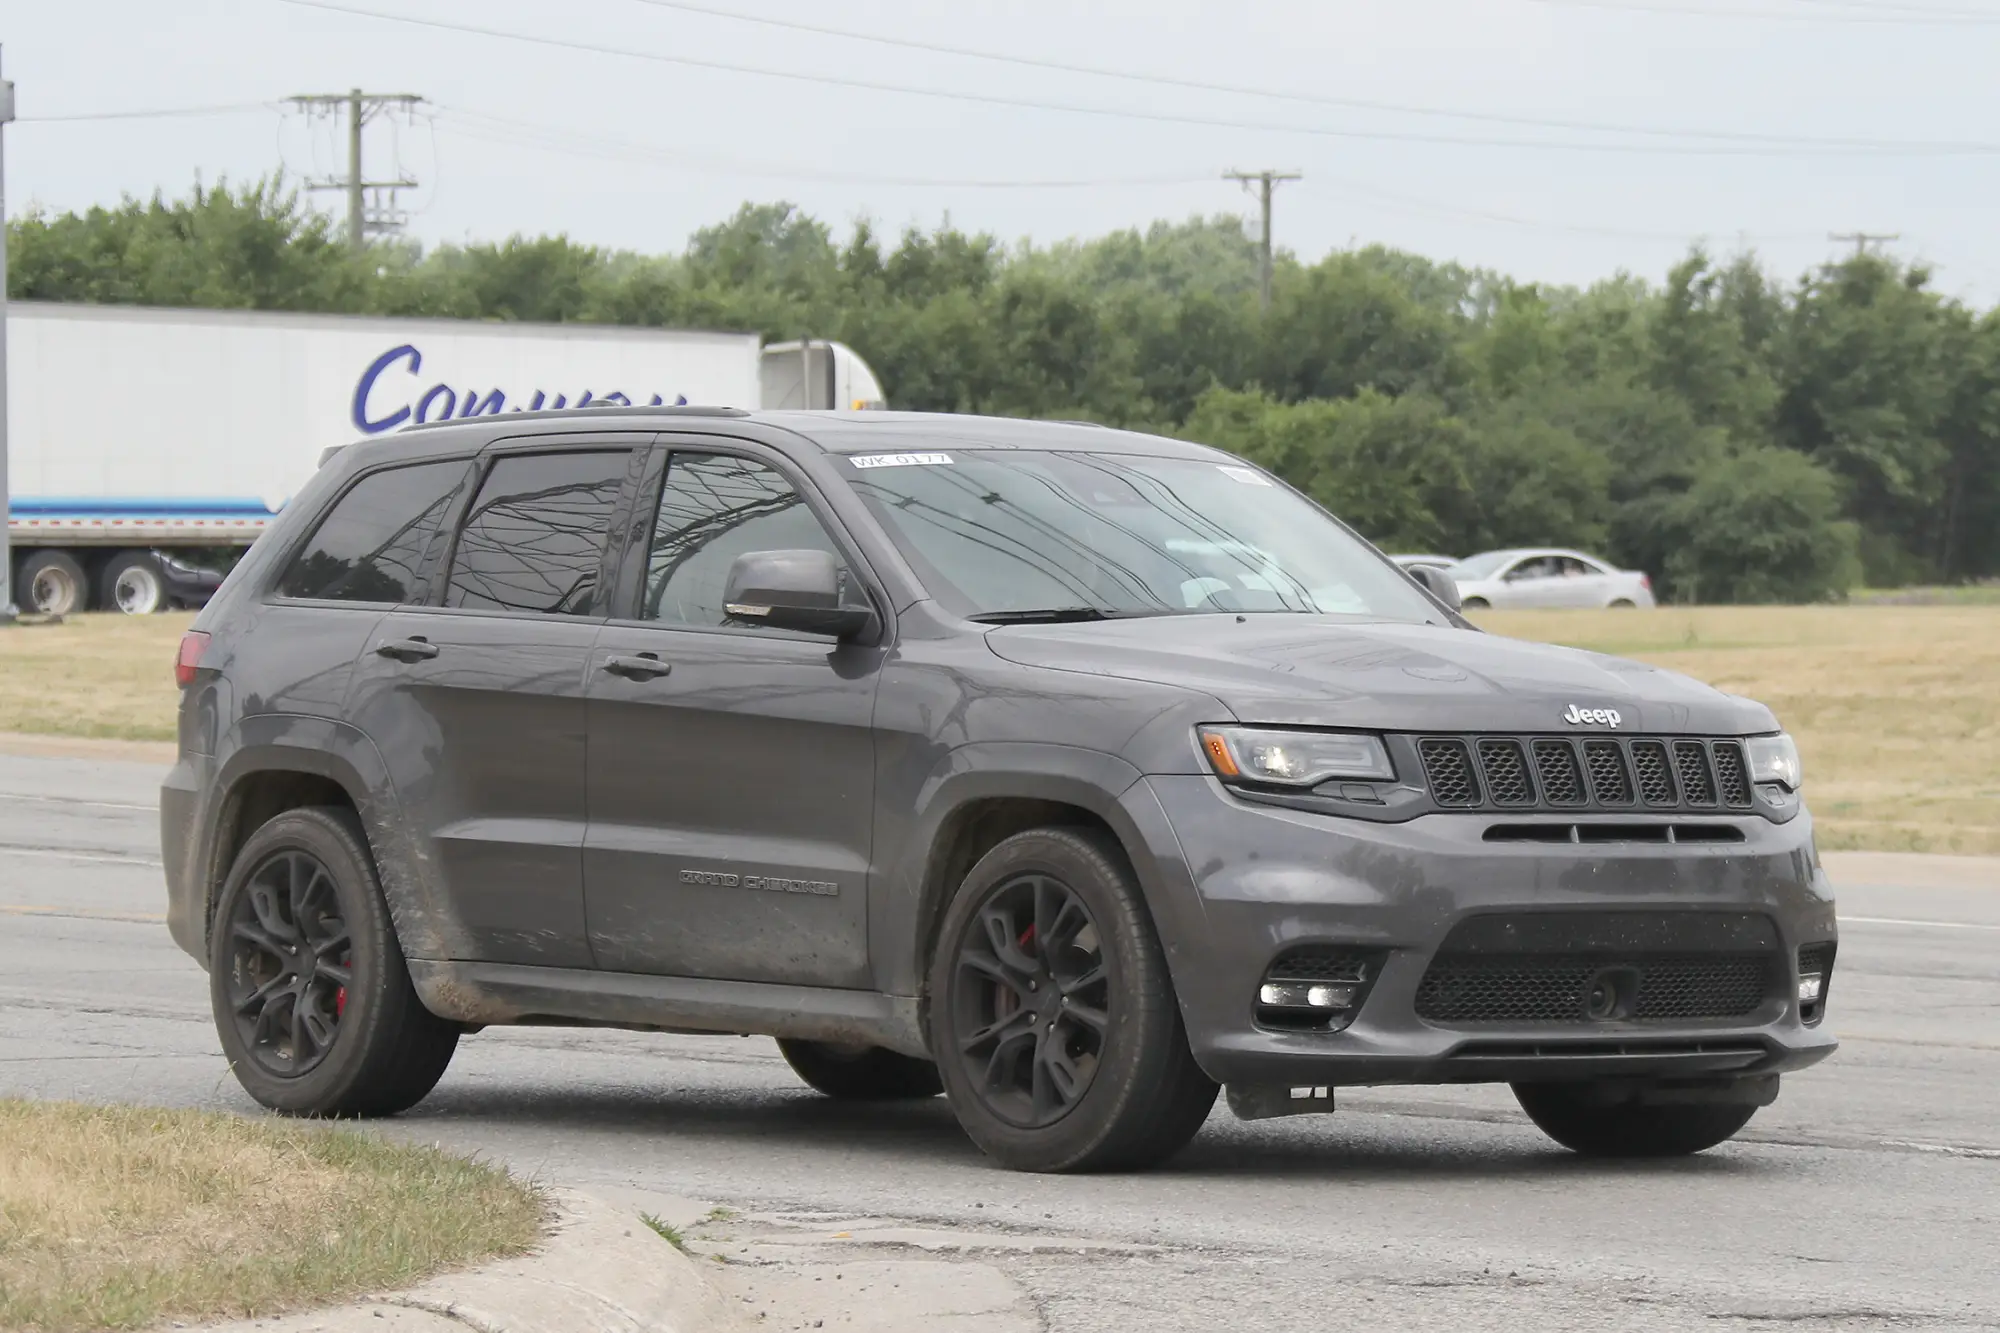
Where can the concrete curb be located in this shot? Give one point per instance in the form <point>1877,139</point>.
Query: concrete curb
<point>601,1270</point>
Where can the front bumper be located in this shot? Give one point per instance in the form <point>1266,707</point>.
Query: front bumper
<point>1236,885</point>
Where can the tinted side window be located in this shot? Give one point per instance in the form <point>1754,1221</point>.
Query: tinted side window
<point>712,509</point>
<point>368,547</point>
<point>534,538</point>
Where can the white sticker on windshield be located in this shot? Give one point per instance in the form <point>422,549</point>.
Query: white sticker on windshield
<point>901,460</point>
<point>1247,475</point>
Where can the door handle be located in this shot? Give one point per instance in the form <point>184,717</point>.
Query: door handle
<point>408,650</point>
<point>645,666</point>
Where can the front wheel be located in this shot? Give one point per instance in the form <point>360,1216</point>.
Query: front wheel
<point>1474,604</point>
<point>1580,1119</point>
<point>860,1073</point>
<point>1052,1016</point>
<point>312,999</point>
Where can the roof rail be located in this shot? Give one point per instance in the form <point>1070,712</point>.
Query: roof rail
<point>596,408</point>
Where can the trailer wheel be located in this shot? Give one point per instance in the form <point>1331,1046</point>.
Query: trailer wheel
<point>132,583</point>
<point>52,583</point>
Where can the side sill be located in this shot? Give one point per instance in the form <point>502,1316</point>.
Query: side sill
<point>512,994</point>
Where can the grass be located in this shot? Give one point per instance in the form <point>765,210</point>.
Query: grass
<point>666,1231</point>
<point>1896,708</point>
<point>123,1217</point>
<point>103,676</point>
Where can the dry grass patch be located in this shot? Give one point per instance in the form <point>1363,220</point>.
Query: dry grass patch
<point>102,675</point>
<point>120,1217</point>
<point>1896,708</point>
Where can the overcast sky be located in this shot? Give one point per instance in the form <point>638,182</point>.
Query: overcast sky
<point>1742,97</point>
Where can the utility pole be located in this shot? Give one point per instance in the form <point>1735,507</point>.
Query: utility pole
<point>1863,239</point>
<point>361,108</point>
<point>1267,181</point>
<point>6,551</point>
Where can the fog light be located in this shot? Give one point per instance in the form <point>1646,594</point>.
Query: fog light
<point>1811,986</point>
<point>1299,995</point>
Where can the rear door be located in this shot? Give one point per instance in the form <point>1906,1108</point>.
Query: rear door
<point>477,702</point>
<point>1591,584</point>
<point>731,765</point>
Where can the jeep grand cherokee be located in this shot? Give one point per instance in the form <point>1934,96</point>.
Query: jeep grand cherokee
<point>1073,773</point>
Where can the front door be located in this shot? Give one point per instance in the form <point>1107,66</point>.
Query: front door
<point>731,766</point>
<point>477,704</point>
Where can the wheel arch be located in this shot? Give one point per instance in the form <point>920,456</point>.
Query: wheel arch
<point>275,763</point>
<point>985,795</point>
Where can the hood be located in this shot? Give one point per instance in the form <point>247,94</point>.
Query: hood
<point>1340,671</point>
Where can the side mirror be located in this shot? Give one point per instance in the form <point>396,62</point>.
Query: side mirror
<point>796,590</point>
<point>1438,584</point>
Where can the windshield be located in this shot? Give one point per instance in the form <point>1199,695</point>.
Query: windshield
<point>1480,566</point>
<point>1019,531</point>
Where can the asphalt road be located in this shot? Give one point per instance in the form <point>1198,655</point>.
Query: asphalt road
<point>1868,1196</point>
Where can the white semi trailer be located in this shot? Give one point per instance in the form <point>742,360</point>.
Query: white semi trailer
<point>139,436</point>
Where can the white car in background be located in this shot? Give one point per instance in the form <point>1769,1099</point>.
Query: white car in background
<point>1546,577</point>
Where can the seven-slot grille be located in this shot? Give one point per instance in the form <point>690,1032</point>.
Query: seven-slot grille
<point>1569,773</point>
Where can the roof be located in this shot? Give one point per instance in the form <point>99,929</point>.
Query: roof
<point>835,432</point>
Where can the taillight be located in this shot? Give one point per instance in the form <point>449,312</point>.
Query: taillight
<point>194,644</point>
<point>1646,582</point>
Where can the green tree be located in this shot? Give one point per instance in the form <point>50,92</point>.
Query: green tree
<point>1764,526</point>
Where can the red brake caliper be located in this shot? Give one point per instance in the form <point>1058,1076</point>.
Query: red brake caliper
<point>340,1002</point>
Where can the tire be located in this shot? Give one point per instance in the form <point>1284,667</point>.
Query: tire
<point>1624,604</point>
<point>1474,604</point>
<point>1583,1123</point>
<point>1120,1089</point>
<point>860,1073</point>
<point>132,583</point>
<point>52,583</point>
<point>365,1045</point>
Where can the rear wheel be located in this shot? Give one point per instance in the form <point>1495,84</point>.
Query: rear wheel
<point>1474,604</point>
<point>132,583</point>
<point>1052,1015</point>
<point>860,1073</point>
<point>52,583</point>
<point>1624,604</point>
<point>1580,1118</point>
<point>312,999</point>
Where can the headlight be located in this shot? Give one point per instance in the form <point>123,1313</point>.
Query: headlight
<point>1293,758</point>
<point>1775,759</point>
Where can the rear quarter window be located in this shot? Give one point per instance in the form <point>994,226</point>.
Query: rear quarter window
<point>370,545</point>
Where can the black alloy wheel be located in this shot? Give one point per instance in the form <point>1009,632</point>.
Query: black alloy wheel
<point>1033,1000</point>
<point>291,962</point>
<point>1052,1015</point>
<point>313,1001</point>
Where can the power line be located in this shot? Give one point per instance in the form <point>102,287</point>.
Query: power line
<point>151,113</point>
<point>513,133</point>
<point>1160,117</point>
<point>1243,90</point>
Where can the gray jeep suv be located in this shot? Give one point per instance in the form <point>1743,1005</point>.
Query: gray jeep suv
<point>1067,771</point>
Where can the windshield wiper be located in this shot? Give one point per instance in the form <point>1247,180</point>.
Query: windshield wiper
<point>1049,615</point>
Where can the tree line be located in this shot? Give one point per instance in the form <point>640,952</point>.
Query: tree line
<point>1739,436</point>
